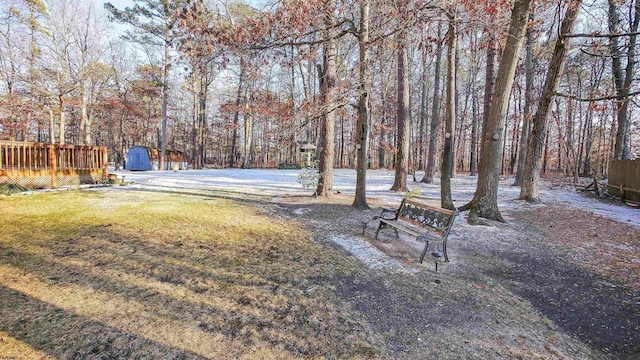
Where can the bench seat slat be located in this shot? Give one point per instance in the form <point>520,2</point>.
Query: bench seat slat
<point>433,234</point>
<point>399,226</point>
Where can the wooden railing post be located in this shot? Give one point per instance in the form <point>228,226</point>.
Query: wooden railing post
<point>105,162</point>
<point>52,166</point>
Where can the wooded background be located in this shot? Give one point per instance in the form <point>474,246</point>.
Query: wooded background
<point>234,84</point>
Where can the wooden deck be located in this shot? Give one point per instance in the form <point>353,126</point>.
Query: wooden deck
<point>40,165</point>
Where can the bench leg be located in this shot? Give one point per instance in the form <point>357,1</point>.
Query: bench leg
<point>444,250</point>
<point>424,252</point>
<point>378,231</point>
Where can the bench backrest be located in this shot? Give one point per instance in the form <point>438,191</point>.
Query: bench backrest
<point>427,216</point>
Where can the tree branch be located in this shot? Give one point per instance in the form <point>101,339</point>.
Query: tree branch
<point>602,98</point>
<point>597,35</point>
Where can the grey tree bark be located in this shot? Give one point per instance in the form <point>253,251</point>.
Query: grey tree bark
<point>423,113</point>
<point>435,118</point>
<point>236,115</point>
<point>328,124</point>
<point>474,134</point>
<point>485,200</point>
<point>623,77</point>
<point>448,155</point>
<point>489,83</point>
<point>202,119</point>
<point>403,120</point>
<point>530,190</point>
<point>248,133</point>
<point>362,124</point>
<point>528,94</point>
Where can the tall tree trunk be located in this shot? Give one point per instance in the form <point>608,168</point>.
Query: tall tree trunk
<point>474,134</point>
<point>362,124</point>
<point>456,100</point>
<point>423,113</point>
<point>435,118</point>
<point>623,78</point>
<point>83,112</point>
<point>248,134</point>
<point>202,119</point>
<point>382,149</point>
<point>530,190</point>
<point>165,100</point>
<point>597,71</point>
<point>52,129</point>
<point>236,116</point>
<point>121,143</point>
<point>505,131</point>
<point>402,118</point>
<point>588,142</point>
<point>528,98</point>
<point>559,138</point>
<point>446,169</point>
<point>62,119</point>
<point>513,148</point>
<point>381,145</point>
<point>485,200</point>
<point>570,151</point>
<point>342,141</point>
<point>328,126</point>
<point>489,82</point>
<point>461,126</point>
<point>87,127</point>
<point>194,126</point>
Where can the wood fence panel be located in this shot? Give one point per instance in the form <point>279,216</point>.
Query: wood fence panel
<point>624,179</point>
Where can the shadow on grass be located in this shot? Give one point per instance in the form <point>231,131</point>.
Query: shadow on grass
<point>63,334</point>
<point>253,296</point>
<point>583,304</point>
<point>240,197</point>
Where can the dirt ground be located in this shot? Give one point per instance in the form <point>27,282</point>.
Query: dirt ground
<point>554,282</point>
<point>204,270</point>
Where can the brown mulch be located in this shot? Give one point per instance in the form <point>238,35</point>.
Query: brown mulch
<point>579,270</point>
<point>601,245</point>
<point>553,283</point>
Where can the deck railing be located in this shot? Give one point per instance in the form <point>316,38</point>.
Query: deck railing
<point>40,165</point>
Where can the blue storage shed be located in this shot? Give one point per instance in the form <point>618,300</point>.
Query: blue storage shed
<point>138,158</point>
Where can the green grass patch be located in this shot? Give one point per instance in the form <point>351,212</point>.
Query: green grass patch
<point>137,274</point>
<point>10,189</point>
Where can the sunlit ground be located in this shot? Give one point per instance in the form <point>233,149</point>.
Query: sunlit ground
<point>139,274</point>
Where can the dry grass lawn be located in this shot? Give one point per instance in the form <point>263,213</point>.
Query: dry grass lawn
<point>174,273</point>
<point>134,274</point>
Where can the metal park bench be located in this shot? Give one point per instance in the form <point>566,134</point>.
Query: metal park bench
<point>427,223</point>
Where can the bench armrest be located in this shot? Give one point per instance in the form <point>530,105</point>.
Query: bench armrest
<point>383,215</point>
<point>387,214</point>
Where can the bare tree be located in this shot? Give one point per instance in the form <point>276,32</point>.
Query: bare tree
<point>154,22</point>
<point>446,169</point>
<point>531,179</point>
<point>528,94</point>
<point>403,120</point>
<point>623,77</point>
<point>435,118</point>
<point>485,200</point>
<point>327,88</point>
<point>362,125</point>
